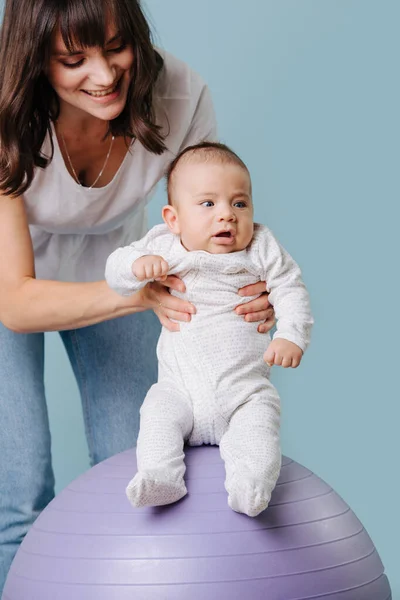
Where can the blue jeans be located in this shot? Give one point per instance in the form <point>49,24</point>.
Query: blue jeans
<point>114,363</point>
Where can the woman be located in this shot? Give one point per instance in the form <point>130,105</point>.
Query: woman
<point>91,115</point>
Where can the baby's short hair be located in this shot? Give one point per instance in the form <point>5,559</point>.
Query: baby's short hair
<point>204,151</point>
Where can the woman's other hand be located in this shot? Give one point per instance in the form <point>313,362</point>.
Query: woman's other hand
<point>259,309</point>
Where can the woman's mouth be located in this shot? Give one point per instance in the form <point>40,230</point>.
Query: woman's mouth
<point>104,93</point>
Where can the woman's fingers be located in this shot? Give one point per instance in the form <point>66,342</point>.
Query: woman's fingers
<point>177,315</point>
<point>167,323</point>
<point>269,321</point>
<point>267,315</point>
<point>267,325</point>
<point>253,289</point>
<point>175,308</point>
<point>258,309</point>
<point>260,315</point>
<point>165,315</point>
<point>174,283</point>
<point>254,306</point>
<point>169,307</point>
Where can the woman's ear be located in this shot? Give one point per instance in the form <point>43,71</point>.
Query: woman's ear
<point>170,216</point>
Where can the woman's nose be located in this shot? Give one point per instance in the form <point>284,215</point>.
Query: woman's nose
<point>103,73</point>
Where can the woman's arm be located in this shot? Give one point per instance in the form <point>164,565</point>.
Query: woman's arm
<point>28,305</point>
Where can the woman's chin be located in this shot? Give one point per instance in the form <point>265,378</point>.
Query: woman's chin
<point>106,113</point>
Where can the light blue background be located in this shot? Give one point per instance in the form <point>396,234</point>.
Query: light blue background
<point>307,92</point>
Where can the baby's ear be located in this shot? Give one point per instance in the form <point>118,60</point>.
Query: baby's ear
<point>170,216</point>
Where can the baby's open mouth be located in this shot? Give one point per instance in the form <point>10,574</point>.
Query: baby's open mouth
<point>226,234</point>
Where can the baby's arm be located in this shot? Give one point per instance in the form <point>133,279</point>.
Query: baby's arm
<point>290,299</point>
<point>130,268</point>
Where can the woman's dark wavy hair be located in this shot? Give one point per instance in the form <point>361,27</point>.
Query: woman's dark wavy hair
<point>28,103</point>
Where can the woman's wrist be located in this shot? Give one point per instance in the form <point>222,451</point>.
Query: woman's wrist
<point>136,302</point>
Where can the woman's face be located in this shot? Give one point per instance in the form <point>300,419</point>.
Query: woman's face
<point>91,80</point>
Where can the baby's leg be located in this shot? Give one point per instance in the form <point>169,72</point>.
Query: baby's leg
<point>252,455</point>
<point>166,420</point>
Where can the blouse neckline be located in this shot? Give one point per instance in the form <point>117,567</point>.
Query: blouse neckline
<point>64,171</point>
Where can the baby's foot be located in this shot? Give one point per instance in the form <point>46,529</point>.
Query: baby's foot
<point>248,496</point>
<point>146,489</point>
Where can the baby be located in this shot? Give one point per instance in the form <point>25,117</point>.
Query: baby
<point>213,382</point>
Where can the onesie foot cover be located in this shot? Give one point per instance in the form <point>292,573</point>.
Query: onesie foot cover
<point>147,489</point>
<point>248,497</point>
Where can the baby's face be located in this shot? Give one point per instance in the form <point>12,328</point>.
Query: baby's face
<point>214,206</point>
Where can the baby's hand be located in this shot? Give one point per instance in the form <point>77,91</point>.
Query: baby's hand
<point>284,353</point>
<point>150,267</point>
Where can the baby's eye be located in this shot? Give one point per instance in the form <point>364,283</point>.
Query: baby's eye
<point>207,203</point>
<point>240,204</point>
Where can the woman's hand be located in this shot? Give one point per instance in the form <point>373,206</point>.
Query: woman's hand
<point>166,306</point>
<point>259,309</point>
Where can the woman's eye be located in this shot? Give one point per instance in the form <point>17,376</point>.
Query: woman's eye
<point>73,65</point>
<point>120,48</point>
<point>78,63</point>
<point>207,203</point>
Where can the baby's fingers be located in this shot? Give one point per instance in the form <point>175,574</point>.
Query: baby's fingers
<point>269,357</point>
<point>286,361</point>
<point>140,273</point>
<point>161,270</point>
<point>149,270</point>
<point>296,361</point>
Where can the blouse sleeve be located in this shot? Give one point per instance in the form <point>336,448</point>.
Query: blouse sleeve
<point>203,125</point>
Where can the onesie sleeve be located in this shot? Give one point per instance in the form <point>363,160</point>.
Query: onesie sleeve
<point>118,272</point>
<point>287,291</point>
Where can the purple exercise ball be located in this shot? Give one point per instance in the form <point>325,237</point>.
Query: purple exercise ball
<point>90,544</point>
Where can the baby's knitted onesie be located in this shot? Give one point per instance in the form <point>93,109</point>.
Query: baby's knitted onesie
<point>213,384</point>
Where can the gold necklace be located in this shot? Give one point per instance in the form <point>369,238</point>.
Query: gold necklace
<point>72,166</point>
